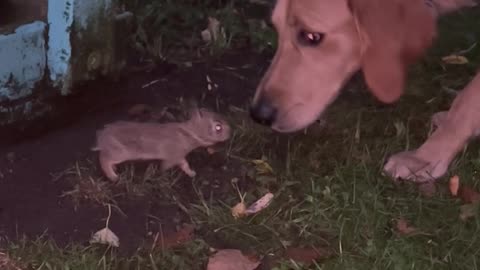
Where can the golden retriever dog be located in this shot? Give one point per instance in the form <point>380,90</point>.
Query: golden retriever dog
<point>322,43</point>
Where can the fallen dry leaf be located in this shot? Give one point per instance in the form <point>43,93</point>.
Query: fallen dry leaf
<point>260,204</point>
<point>105,236</point>
<point>262,166</point>
<point>455,59</point>
<point>231,259</point>
<point>239,210</point>
<point>213,30</point>
<point>468,195</point>
<point>454,184</point>
<point>403,228</point>
<point>468,210</point>
<point>185,234</point>
<point>306,255</point>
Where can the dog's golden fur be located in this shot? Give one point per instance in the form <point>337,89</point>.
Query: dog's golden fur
<point>321,43</point>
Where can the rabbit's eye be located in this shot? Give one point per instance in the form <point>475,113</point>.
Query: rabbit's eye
<point>218,128</point>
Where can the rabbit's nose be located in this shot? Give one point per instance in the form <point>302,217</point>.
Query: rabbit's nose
<point>263,112</point>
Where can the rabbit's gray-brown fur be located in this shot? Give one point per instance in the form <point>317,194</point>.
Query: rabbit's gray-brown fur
<point>170,142</point>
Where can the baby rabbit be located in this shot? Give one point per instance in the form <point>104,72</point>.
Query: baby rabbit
<point>170,142</point>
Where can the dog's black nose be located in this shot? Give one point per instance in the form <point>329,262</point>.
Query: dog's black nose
<point>263,112</point>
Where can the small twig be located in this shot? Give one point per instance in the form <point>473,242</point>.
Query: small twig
<point>238,158</point>
<point>242,197</point>
<point>467,50</point>
<point>449,91</point>
<point>120,211</point>
<point>79,172</point>
<point>109,214</point>
<point>150,83</point>
<point>155,239</point>
<point>162,237</point>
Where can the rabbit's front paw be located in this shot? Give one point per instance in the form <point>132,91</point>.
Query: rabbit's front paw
<point>191,173</point>
<point>186,168</point>
<point>113,178</point>
<point>108,167</point>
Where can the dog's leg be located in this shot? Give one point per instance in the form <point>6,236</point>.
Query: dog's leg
<point>431,160</point>
<point>438,118</point>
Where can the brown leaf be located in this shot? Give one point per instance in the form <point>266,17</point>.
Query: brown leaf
<point>455,59</point>
<point>307,255</point>
<point>403,228</point>
<point>262,166</point>
<point>105,236</point>
<point>231,259</point>
<point>180,237</point>
<point>468,195</point>
<point>260,204</point>
<point>239,210</point>
<point>454,185</point>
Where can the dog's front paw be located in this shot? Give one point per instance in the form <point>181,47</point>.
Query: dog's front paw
<point>438,118</point>
<point>408,166</point>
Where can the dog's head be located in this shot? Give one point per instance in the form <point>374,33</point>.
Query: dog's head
<point>321,43</point>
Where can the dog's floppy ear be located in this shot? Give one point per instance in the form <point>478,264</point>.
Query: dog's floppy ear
<point>393,34</point>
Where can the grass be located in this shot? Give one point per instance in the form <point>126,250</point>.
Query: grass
<point>329,191</point>
<point>171,30</point>
<point>43,254</point>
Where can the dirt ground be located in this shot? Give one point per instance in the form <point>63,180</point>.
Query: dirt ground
<point>31,202</point>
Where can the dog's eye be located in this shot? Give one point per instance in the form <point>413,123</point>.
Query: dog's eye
<point>310,38</point>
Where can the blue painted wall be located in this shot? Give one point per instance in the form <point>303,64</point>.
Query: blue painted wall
<point>75,44</point>
<point>22,60</point>
<point>60,20</point>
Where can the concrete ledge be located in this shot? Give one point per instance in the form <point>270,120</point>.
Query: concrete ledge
<point>22,61</point>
